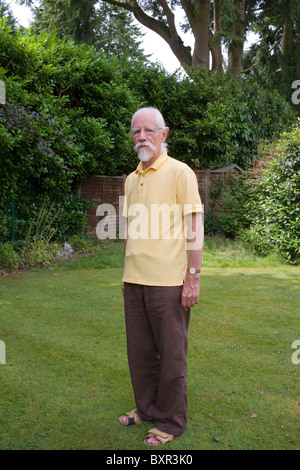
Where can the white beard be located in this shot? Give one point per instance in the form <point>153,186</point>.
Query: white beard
<point>145,154</point>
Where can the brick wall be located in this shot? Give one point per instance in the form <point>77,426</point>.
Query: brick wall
<point>203,177</point>
<point>107,189</point>
<point>101,190</point>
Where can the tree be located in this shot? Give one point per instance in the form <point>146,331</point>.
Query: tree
<point>235,50</point>
<point>204,18</point>
<point>116,34</point>
<point>213,23</point>
<point>275,59</point>
<point>6,12</point>
<point>73,18</point>
<point>106,27</point>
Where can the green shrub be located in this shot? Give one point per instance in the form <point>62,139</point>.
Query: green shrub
<point>228,215</point>
<point>212,225</point>
<point>9,258</point>
<point>79,243</point>
<point>233,216</point>
<point>275,200</point>
<point>39,253</point>
<point>68,215</point>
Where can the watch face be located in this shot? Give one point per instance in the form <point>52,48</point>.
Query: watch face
<point>192,270</point>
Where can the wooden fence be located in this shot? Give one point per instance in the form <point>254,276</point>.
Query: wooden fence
<point>107,189</point>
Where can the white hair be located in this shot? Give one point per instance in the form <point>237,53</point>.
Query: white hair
<point>164,147</point>
<point>160,122</point>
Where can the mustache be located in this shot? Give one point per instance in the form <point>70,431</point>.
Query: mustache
<point>144,144</point>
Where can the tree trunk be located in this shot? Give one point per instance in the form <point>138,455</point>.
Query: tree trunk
<point>215,46</point>
<point>165,30</point>
<point>201,33</point>
<point>236,48</point>
<point>287,39</point>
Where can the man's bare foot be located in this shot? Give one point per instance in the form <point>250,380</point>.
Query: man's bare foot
<point>130,418</point>
<point>158,438</point>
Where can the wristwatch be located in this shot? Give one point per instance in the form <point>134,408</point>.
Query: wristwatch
<point>193,270</point>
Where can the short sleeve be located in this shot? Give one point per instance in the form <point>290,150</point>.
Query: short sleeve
<point>187,192</point>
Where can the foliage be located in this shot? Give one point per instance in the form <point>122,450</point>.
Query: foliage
<point>16,216</point>
<point>35,254</point>
<point>108,28</point>
<point>214,120</point>
<point>275,199</point>
<point>233,216</point>
<point>228,200</point>
<point>68,115</point>
<point>37,247</point>
<point>274,59</point>
<point>223,120</point>
<point>39,253</point>
<point>9,258</point>
<point>6,12</point>
<point>84,244</point>
<point>58,125</point>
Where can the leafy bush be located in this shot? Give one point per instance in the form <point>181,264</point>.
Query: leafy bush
<point>39,253</point>
<point>9,258</point>
<point>68,216</point>
<point>58,126</point>
<point>234,215</point>
<point>228,199</point>
<point>68,114</point>
<point>37,248</point>
<point>275,199</point>
<point>79,243</point>
<point>214,120</point>
<point>35,254</point>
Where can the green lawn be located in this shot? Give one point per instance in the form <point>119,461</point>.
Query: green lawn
<point>66,381</point>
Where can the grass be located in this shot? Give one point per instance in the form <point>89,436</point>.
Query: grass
<point>66,378</point>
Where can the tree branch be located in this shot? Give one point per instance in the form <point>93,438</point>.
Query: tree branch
<point>189,12</point>
<point>168,33</point>
<point>170,17</point>
<point>157,26</point>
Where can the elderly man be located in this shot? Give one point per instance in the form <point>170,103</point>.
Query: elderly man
<point>161,283</point>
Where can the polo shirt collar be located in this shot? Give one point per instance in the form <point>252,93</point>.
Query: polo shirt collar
<point>155,166</point>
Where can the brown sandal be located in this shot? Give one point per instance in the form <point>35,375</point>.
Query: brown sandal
<point>162,437</point>
<point>130,418</point>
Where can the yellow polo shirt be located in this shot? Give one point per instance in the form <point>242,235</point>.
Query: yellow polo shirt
<point>156,201</point>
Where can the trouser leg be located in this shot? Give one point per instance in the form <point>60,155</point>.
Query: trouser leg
<point>157,327</point>
<point>143,357</point>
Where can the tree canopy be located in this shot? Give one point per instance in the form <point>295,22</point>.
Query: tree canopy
<point>6,12</point>
<point>275,58</point>
<point>219,29</point>
<point>106,27</point>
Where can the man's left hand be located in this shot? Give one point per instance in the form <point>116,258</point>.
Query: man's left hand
<point>190,291</point>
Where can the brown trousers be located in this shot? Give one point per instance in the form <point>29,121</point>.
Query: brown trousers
<point>157,340</point>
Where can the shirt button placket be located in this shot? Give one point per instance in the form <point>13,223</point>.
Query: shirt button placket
<point>141,187</point>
